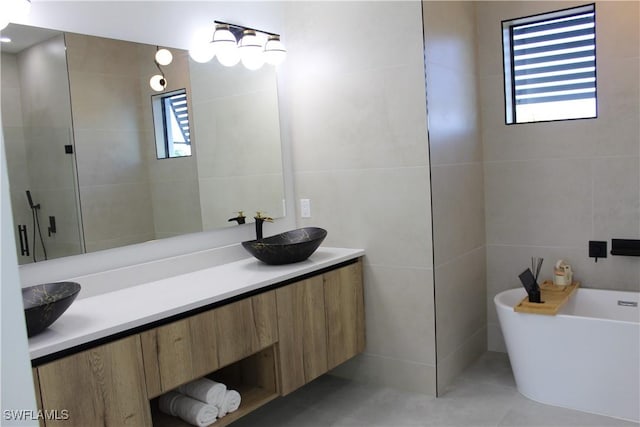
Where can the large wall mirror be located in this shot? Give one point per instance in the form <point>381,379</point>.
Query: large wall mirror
<point>79,135</point>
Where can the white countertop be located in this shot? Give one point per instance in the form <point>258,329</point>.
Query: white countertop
<point>100,316</point>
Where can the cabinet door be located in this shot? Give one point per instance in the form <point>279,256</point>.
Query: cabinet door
<point>344,306</point>
<point>302,346</point>
<point>104,386</point>
<point>179,352</point>
<point>246,327</point>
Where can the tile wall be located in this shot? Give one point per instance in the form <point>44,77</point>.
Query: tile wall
<point>552,187</point>
<point>112,161</point>
<point>457,186</point>
<point>173,183</point>
<point>236,124</point>
<point>356,107</point>
<point>37,126</point>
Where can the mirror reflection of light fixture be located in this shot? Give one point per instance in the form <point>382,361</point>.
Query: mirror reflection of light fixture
<point>158,82</point>
<point>164,56</point>
<point>13,10</point>
<point>233,43</point>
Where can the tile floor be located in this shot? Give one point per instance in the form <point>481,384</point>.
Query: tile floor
<point>483,395</point>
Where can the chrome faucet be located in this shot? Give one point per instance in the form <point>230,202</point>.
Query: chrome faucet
<point>260,219</point>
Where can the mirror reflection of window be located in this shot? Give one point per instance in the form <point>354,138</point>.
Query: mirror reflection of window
<point>171,124</point>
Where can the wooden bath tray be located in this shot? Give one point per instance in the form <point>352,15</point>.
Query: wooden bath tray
<point>553,297</point>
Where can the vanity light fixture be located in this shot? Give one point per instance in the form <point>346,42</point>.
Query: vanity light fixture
<point>251,50</point>
<point>163,57</point>
<point>13,10</point>
<point>233,43</point>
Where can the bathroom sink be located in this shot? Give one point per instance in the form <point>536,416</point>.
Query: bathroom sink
<point>43,304</point>
<point>288,247</point>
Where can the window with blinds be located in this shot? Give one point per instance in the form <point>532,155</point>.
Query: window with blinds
<point>171,124</point>
<point>550,66</point>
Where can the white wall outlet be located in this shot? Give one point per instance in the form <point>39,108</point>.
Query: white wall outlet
<point>305,208</point>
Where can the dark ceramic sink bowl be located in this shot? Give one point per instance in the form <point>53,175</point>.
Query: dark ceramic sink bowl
<point>288,247</point>
<point>43,304</point>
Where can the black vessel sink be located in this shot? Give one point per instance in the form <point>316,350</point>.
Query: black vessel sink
<point>43,304</point>
<point>288,247</point>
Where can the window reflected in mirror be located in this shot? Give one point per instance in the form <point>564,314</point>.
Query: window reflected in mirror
<point>171,124</point>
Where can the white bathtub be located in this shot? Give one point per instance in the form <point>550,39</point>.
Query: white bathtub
<point>586,358</point>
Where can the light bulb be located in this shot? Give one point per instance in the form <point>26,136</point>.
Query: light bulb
<point>164,57</point>
<point>203,53</point>
<point>274,51</point>
<point>225,46</point>
<point>158,83</point>
<point>250,49</point>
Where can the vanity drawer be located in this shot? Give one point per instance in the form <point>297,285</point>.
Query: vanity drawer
<point>179,352</point>
<point>246,327</point>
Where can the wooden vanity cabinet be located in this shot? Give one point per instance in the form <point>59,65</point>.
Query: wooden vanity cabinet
<point>264,345</point>
<point>320,323</point>
<point>103,386</point>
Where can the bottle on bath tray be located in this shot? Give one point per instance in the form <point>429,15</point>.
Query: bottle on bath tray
<point>562,273</point>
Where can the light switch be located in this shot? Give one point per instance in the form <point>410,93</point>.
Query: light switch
<point>305,208</point>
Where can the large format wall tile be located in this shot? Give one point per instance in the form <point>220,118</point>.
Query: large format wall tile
<point>376,209</point>
<point>458,210</point>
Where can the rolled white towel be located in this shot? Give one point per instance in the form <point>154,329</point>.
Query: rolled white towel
<point>195,412</point>
<point>166,402</point>
<point>230,403</point>
<point>205,390</point>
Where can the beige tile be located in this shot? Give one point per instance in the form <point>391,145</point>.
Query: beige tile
<point>616,213</point>
<point>458,210</point>
<point>176,207</point>
<point>454,133</point>
<point>449,33</point>
<point>399,313</point>
<point>110,156</point>
<point>16,155</point>
<point>88,54</point>
<point>114,212</point>
<point>105,101</point>
<point>11,106</point>
<point>398,374</point>
<point>222,198</point>
<point>238,136</point>
<point>385,211</point>
<point>618,33</point>
<point>100,245</point>
<point>468,351</point>
<point>215,81</point>
<point>375,118</point>
<point>460,292</point>
<point>49,167</point>
<point>386,35</point>
<point>538,202</point>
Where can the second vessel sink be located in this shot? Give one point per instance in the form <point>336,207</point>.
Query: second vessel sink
<point>43,304</point>
<point>288,247</point>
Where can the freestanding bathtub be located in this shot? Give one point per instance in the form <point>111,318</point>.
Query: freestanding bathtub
<point>587,357</point>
